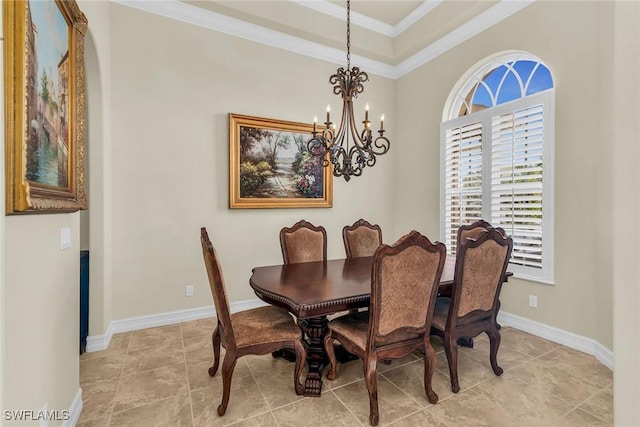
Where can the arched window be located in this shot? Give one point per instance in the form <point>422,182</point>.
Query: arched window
<point>497,158</point>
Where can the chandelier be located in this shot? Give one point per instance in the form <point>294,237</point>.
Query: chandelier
<point>347,149</point>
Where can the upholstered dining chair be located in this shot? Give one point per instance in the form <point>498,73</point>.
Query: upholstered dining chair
<point>404,285</point>
<point>303,242</point>
<point>470,231</point>
<point>473,230</point>
<point>473,308</point>
<point>257,331</point>
<point>361,239</point>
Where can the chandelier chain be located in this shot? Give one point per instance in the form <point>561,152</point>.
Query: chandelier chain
<point>348,34</point>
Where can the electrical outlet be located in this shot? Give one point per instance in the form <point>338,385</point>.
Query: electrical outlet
<point>533,301</point>
<point>188,291</point>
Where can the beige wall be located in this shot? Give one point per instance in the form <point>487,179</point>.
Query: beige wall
<point>172,86</point>
<point>626,200</point>
<point>41,293</point>
<point>576,52</point>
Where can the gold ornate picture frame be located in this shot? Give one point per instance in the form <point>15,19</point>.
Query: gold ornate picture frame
<point>270,166</point>
<point>45,106</point>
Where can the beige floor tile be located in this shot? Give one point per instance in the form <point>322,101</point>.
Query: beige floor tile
<point>117,347</point>
<point>150,387</point>
<point>262,420</point>
<point>468,409</point>
<point>198,371</point>
<point>410,379</point>
<point>392,402</point>
<point>275,379</point>
<point>199,349</point>
<point>172,412</point>
<point>101,368</point>
<point>98,398</point>
<point>525,343</point>
<point>572,388</point>
<point>245,401</point>
<point>579,364</point>
<point>153,337</point>
<point>424,417</point>
<point>94,422</point>
<point>325,411</point>
<point>601,405</point>
<point>580,418</point>
<point>508,358</point>
<point>470,370</point>
<point>198,328</point>
<point>346,373</point>
<point>144,359</point>
<point>533,394</point>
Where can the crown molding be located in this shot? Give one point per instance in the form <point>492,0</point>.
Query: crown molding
<point>474,26</point>
<point>339,12</point>
<point>417,14</point>
<point>371,24</point>
<point>194,15</point>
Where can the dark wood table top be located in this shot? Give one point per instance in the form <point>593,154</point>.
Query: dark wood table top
<point>325,287</point>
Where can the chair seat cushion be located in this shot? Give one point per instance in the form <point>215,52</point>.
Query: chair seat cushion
<point>354,327</point>
<point>440,313</point>
<point>264,325</point>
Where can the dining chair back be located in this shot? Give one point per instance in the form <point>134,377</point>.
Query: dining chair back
<point>258,331</point>
<point>303,242</point>
<point>361,239</point>
<point>481,265</point>
<point>404,285</point>
<point>473,230</point>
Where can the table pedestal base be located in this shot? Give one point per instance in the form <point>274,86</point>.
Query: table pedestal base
<point>314,330</point>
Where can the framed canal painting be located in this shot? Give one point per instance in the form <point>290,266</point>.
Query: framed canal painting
<point>45,106</point>
<point>270,166</point>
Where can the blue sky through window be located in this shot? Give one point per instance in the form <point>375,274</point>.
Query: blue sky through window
<point>511,89</point>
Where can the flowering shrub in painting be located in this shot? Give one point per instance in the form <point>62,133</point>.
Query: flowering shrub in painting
<point>309,179</point>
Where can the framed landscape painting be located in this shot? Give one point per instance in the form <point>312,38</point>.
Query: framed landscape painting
<point>270,166</point>
<point>45,107</point>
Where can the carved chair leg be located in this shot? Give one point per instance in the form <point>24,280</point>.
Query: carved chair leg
<point>429,368</point>
<point>215,339</point>
<point>301,359</point>
<point>451,350</point>
<point>370,376</point>
<point>494,344</point>
<point>228,365</point>
<point>331,355</point>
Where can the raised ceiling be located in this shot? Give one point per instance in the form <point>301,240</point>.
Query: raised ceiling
<point>388,37</point>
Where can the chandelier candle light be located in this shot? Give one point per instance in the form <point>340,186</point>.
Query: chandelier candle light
<point>349,158</point>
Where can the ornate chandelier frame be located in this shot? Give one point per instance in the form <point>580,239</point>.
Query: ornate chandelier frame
<point>348,149</point>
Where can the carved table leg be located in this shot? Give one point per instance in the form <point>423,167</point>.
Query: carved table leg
<point>314,329</point>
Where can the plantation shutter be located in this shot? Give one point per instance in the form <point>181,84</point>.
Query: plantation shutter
<point>463,179</point>
<point>516,181</point>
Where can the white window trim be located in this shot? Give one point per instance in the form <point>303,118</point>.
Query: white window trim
<point>547,98</point>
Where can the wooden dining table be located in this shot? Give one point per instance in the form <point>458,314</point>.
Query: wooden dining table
<point>314,290</point>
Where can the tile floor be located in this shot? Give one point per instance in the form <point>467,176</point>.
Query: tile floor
<point>159,376</point>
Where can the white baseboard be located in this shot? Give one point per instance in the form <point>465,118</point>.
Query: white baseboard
<point>578,342</point>
<point>74,410</point>
<point>551,333</point>
<point>101,342</point>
